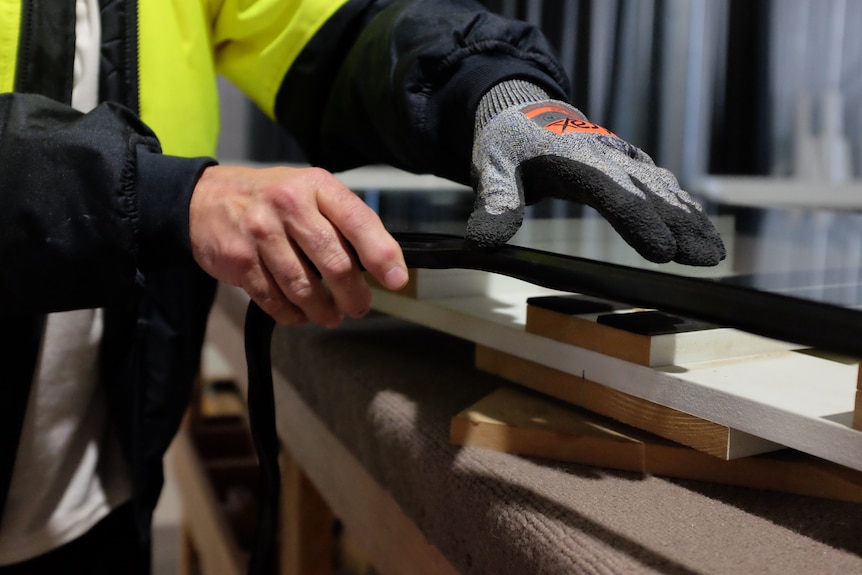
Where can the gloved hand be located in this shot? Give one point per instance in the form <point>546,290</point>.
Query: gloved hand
<point>548,149</point>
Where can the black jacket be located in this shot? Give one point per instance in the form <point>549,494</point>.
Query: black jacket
<point>93,215</point>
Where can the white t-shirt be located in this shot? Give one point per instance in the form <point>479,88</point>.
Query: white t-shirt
<point>69,472</point>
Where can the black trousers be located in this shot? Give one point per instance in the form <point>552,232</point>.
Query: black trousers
<point>111,547</point>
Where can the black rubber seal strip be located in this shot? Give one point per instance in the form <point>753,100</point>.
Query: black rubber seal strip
<point>779,316</point>
<point>261,412</point>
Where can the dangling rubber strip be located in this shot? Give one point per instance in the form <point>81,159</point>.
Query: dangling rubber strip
<point>261,412</point>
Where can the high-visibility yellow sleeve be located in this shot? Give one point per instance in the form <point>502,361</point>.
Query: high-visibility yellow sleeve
<point>256,41</point>
<point>10,26</point>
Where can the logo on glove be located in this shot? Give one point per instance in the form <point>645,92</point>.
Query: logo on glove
<point>561,120</point>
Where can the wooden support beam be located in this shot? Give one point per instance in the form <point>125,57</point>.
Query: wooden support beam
<point>189,559</point>
<point>515,421</point>
<point>712,438</point>
<point>521,422</point>
<point>857,411</point>
<point>208,528</point>
<point>307,541</point>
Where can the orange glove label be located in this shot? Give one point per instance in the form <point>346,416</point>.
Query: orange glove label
<point>561,120</point>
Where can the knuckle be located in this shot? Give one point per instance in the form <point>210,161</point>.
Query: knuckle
<point>282,310</point>
<point>329,253</point>
<point>238,259</point>
<point>317,175</point>
<point>258,224</point>
<point>382,255</point>
<point>337,265</point>
<point>285,198</point>
<point>359,217</point>
<point>291,194</point>
<point>262,296</point>
<point>300,292</point>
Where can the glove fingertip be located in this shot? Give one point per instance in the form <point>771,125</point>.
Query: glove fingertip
<point>490,231</point>
<point>657,255</point>
<point>710,253</point>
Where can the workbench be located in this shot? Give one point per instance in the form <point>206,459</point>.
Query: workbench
<point>365,415</point>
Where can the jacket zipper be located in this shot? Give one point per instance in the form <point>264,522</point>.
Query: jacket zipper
<point>25,41</point>
<point>46,44</point>
<point>133,63</point>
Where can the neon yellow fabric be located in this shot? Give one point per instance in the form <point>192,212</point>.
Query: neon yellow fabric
<point>183,44</point>
<point>258,40</point>
<point>177,83</point>
<point>186,43</point>
<point>10,25</point>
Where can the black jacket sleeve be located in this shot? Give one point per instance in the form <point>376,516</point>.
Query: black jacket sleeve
<point>86,202</point>
<point>398,82</point>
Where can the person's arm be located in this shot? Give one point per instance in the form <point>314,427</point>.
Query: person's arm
<point>379,81</point>
<point>87,202</point>
<point>399,82</point>
<point>425,82</point>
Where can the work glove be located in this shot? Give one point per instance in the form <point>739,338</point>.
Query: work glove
<point>527,147</point>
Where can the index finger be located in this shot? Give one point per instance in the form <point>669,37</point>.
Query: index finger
<point>375,247</point>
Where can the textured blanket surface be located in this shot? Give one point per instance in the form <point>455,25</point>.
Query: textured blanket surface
<point>388,390</point>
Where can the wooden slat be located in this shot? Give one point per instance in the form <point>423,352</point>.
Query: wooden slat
<point>307,525</point>
<point>703,435</point>
<point>517,421</point>
<point>207,525</point>
<point>189,560</point>
<point>218,403</point>
<point>857,411</point>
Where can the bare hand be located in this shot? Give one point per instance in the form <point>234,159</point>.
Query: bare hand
<point>290,237</point>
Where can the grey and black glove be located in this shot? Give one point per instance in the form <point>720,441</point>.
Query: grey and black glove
<point>527,147</point>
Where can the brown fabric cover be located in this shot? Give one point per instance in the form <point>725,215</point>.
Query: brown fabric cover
<point>388,389</point>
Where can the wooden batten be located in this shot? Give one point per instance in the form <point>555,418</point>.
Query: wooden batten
<point>857,411</point>
<point>518,421</point>
<point>703,435</point>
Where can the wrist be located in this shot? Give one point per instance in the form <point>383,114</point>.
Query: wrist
<point>505,95</point>
<point>164,186</point>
